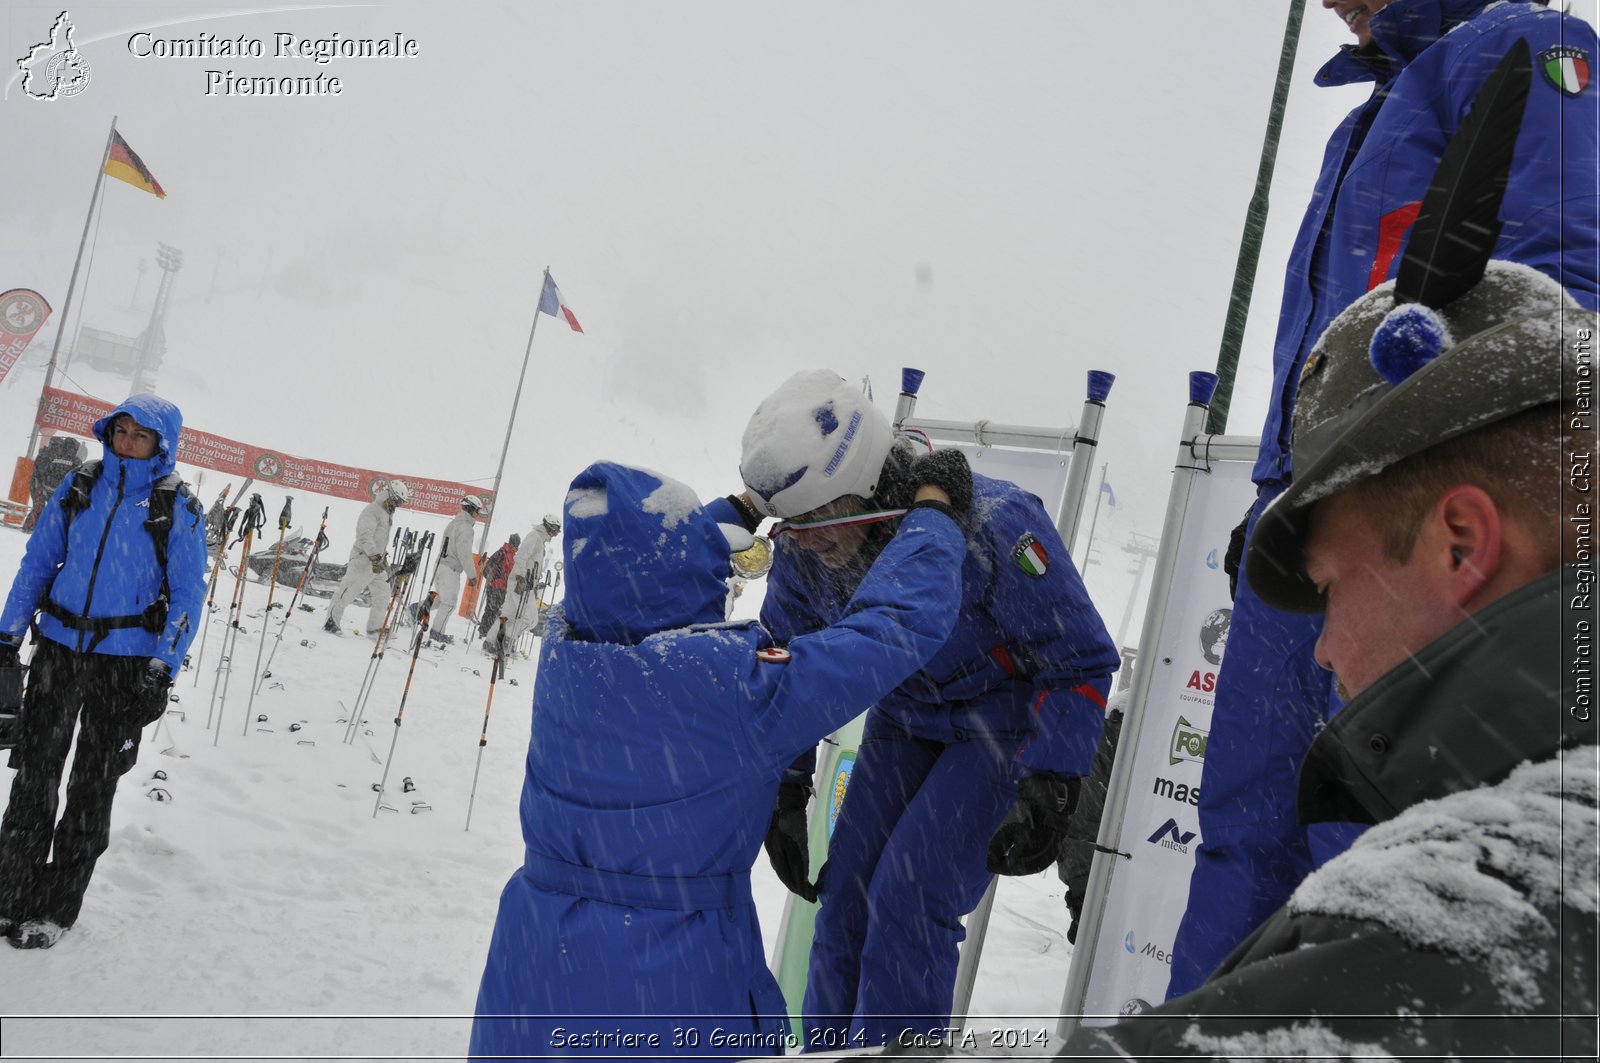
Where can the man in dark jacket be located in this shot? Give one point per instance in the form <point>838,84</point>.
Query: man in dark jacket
<point>110,623</point>
<point>1426,523</point>
<point>1426,60</point>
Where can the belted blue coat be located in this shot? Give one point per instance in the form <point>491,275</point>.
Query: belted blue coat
<point>1427,61</point>
<point>658,738</point>
<point>102,562</point>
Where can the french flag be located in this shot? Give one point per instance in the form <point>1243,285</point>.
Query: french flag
<point>550,302</point>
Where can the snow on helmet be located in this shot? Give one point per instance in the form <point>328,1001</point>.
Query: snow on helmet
<point>472,504</point>
<point>813,440</point>
<point>552,523</point>
<point>398,491</point>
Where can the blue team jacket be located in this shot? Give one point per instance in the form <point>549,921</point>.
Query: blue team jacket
<point>1432,57</point>
<point>1029,661</point>
<point>659,735</point>
<point>105,564</point>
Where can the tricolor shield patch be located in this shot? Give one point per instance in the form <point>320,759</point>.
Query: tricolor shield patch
<point>1566,68</point>
<point>1030,556</point>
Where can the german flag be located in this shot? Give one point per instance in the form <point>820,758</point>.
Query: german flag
<point>124,165</point>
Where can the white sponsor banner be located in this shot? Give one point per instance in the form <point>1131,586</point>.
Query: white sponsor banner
<point>1042,472</point>
<point>1159,830</point>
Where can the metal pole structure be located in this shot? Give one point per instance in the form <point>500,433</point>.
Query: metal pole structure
<point>72,284</point>
<point>1094,518</point>
<point>516,400</point>
<point>284,518</point>
<point>1196,451</point>
<point>1255,226</point>
<point>1084,444</point>
<point>170,259</point>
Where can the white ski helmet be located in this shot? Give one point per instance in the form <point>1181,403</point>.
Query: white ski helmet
<point>472,504</point>
<point>398,491</point>
<point>552,523</point>
<point>813,440</point>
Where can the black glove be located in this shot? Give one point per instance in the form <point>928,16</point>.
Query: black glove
<point>1030,838</point>
<point>1235,555</point>
<point>786,844</point>
<point>150,704</point>
<point>947,470</point>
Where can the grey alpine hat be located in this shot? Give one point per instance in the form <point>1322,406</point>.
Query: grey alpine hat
<point>1387,381</point>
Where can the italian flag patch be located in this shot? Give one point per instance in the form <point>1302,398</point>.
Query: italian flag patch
<point>1567,68</point>
<point>1030,556</point>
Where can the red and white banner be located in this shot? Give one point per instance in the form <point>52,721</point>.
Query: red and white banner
<point>22,314</point>
<point>66,411</point>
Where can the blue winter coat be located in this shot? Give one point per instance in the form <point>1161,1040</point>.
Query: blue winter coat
<point>1431,58</point>
<point>1029,660</point>
<point>104,564</point>
<point>659,735</point>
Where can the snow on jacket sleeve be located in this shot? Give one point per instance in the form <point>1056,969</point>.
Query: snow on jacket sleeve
<point>1055,629</point>
<point>899,616</point>
<point>41,559</point>
<point>186,580</point>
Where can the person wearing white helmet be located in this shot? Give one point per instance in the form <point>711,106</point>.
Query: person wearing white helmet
<point>368,559</point>
<point>455,557</point>
<point>522,607</point>
<point>968,768</point>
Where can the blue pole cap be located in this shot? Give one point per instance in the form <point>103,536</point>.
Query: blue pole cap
<point>1100,383</point>
<point>1201,387</point>
<point>910,381</point>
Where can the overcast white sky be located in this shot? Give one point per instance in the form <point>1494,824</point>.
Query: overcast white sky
<point>1006,195</point>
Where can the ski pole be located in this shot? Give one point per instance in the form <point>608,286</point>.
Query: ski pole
<point>483,735</point>
<point>316,550</point>
<point>255,517</point>
<point>416,648</point>
<point>272,587</point>
<point>228,517</point>
<point>369,678</point>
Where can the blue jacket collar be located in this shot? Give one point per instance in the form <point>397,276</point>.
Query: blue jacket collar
<point>1400,32</point>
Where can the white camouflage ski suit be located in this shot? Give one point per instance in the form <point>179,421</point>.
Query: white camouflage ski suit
<point>522,608</point>
<point>455,557</point>
<point>372,540</point>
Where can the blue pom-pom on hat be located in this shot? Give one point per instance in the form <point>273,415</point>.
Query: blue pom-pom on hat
<point>1410,337</point>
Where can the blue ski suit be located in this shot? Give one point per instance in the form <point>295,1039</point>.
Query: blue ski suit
<point>659,736</point>
<point>1018,688</point>
<point>1428,59</point>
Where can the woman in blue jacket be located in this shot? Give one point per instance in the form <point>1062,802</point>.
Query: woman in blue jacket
<point>113,582</point>
<point>659,734</point>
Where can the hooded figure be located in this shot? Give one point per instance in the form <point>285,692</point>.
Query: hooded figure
<point>659,734</point>
<point>114,577</point>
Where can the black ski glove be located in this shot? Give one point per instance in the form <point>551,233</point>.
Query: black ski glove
<point>786,843</point>
<point>1030,838</point>
<point>947,470</point>
<point>150,704</point>
<point>1235,555</point>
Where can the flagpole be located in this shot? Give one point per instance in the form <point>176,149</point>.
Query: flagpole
<point>66,306</point>
<point>516,400</point>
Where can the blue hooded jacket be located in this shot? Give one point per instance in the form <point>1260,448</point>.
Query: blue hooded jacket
<point>659,735</point>
<point>104,564</point>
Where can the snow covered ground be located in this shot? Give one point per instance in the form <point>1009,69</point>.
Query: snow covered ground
<point>265,912</point>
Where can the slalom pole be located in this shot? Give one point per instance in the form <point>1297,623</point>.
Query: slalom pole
<point>229,515</point>
<point>483,735</point>
<point>399,716</point>
<point>316,551</point>
<point>255,517</point>
<point>272,586</point>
